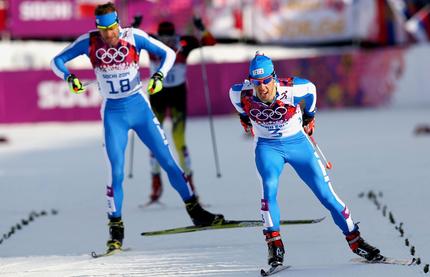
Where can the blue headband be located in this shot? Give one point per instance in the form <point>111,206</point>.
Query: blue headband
<point>107,20</point>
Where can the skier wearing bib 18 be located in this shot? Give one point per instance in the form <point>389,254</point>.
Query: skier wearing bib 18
<point>114,54</point>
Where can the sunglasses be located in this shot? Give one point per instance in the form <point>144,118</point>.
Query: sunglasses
<point>264,81</point>
<point>113,25</point>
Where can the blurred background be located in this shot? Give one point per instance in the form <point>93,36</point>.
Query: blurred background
<point>359,53</point>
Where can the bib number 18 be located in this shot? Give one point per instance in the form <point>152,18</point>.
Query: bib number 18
<point>124,86</point>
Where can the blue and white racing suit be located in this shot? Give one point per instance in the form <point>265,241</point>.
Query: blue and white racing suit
<point>125,105</point>
<point>280,139</point>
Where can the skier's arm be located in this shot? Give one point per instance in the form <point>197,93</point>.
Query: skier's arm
<point>235,98</point>
<point>207,38</point>
<point>58,63</point>
<point>305,95</point>
<point>78,47</point>
<point>155,47</point>
<point>189,43</point>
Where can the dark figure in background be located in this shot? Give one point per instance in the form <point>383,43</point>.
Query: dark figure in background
<point>173,97</point>
<point>3,139</point>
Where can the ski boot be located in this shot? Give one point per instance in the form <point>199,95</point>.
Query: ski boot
<point>360,247</point>
<point>275,247</point>
<point>116,231</point>
<point>200,216</point>
<point>157,188</point>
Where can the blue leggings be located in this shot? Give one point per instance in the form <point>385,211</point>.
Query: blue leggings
<point>272,154</point>
<point>134,113</point>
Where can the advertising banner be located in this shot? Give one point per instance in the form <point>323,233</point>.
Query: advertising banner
<point>294,22</point>
<point>51,19</point>
<point>71,18</point>
<point>180,12</point>
<point>44,97</point>
<point>356,79</point>
<point>274,21</point>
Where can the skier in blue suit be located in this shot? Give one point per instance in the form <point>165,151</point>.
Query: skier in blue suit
<point>280,114</point>
<point>114,54</point>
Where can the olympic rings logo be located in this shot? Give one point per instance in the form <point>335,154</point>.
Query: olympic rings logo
<point>266,114</point>
<point>112,54</point>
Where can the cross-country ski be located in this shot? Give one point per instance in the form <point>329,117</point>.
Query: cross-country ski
<point>387,260</point>
<point>226,225</point>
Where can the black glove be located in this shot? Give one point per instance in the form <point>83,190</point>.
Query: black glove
<point>198,23</point>
<point>307,119</point>
<point>308,124</point>
<point>137,20</point>
<point>246,123</point>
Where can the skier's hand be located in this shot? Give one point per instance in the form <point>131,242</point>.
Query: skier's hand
<point>155,83</point>
<point>137,20</point>
<point>75,86</point>
<point>308,124</point>
<point>198,23</point>
<point>246,124</point>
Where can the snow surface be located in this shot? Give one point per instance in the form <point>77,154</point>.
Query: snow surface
<point>61,166</point>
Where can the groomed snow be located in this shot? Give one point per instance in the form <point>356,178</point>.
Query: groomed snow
<point>61,166</point>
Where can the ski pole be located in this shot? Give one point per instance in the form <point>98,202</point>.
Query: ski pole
<point>85,84</point>
<point>209,108</point>
<point>328,164</point>
<point>131,157</point>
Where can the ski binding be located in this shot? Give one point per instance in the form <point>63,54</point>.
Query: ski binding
<point>273,270</point>
<point>108,253</point>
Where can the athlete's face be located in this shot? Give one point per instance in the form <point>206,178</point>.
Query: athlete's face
<point>265,88</point>
<point>110,35</point>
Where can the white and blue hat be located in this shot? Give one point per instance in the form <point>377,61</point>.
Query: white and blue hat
<point>261,66</point>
